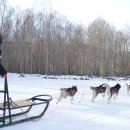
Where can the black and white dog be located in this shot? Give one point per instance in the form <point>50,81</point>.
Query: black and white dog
<point>65,92</point>
<point>115,90</point>
<point>98,90</point>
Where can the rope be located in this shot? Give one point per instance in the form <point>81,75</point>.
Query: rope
<point>81,96</point>
<point>11,101</point>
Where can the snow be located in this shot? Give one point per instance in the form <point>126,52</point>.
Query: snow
<point>82,114</point>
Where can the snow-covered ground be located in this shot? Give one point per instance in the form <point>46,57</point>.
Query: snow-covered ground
<point>83,114</point>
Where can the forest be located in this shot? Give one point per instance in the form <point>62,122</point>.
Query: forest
<point>46,42</point>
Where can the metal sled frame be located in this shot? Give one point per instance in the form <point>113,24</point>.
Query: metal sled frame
<point>8,106</point>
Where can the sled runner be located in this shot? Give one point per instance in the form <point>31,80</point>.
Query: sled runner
<point>10,108</point>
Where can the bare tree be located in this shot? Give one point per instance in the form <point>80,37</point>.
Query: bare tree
<point>47,43</point>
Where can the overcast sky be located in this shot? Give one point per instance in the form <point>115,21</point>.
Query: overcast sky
<point>116,12</point>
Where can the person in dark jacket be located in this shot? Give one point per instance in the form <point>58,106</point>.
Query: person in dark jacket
<point>3,71</point>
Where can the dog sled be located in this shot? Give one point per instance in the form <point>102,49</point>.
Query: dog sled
<point>14,112</point>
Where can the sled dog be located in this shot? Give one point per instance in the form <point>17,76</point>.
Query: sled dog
<point>67,92</point>
<point>98,90</point>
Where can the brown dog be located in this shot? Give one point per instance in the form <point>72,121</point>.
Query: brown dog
<point>65,92</point>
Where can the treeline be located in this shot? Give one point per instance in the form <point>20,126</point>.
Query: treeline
<point>47,43</point>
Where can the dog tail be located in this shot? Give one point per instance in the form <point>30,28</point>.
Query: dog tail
<point>62,89</point>
<point>91,87</point>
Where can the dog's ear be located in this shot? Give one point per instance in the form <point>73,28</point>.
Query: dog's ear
<point>74,85</point>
